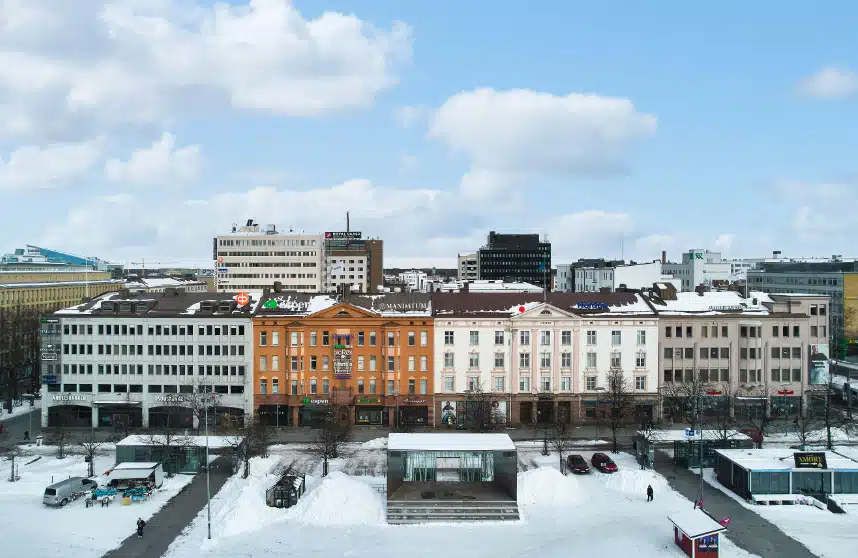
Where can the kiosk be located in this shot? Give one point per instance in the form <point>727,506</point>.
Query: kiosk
<point>697,534</point>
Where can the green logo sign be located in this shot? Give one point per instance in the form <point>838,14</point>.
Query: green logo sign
<point>695,255</point>
<point>306,401</point>
<point>270,304</point>
<point>367,400</point>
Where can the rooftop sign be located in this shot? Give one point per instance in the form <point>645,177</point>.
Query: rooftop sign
<point>731,308</point>
<point>402,306</point>
<point>343,235</point>
<point>592,306</point>
<point>810,460</point>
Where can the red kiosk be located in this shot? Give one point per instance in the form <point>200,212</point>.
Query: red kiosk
<point>696,533</point>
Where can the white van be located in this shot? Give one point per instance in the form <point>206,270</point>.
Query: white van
<point>61,493</point>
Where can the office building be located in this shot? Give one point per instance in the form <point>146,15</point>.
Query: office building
<point>835,278</point>
<point>486,286</point>
<point>352,261</point>
<point>597,275</point>
<point>469,267</point>
<point>252,259</point>
<point>516,257</point>
<point>698,267</point>
<point>415,281</point>
<point>139,360</point>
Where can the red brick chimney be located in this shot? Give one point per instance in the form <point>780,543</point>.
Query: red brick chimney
<point>664,256</point>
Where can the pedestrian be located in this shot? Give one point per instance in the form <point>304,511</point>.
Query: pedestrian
<point>140,525</point>
<point>1,428</point>
<point>27,435</point>
<point>649,493</point>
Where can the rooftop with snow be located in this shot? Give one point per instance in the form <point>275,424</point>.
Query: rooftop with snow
<point>170,303</point>
<point>781,459</point>
<point>449,442</point>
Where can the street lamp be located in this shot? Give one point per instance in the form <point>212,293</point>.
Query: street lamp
<point>206,399</point>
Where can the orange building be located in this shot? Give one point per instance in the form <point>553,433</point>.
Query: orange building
<point>365,359</point>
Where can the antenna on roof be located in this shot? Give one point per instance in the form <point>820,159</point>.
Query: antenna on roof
<point>347,221</point>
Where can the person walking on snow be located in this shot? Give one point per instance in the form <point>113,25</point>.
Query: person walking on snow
<point>140,525</point>
<point>649,493</point>
<point>27,435</point>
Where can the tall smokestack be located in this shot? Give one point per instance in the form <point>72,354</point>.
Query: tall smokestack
<point>664,256</point>
<point>347,222</point>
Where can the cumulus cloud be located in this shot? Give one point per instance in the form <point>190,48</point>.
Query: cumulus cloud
<point>409,115</point>
<point>130,61</point>
<point>56,165</point>
<point>161,164</point>
<point>830,83</point>
<point>522,132</point>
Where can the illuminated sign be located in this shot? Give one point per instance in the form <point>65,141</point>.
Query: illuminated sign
<point>592,306</point>
<point>288,304</point>
<point>170,399</point>
<point>69,398</point>
<point>308,401</point>
<point>733,308</point>
<point>403,306</point>
<point>367,400</point>
<point>342,364</point>
<point>810,460</point>
<point>49,356</point>
<point>343,235</point>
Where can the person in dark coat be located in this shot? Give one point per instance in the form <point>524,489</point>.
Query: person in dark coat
<point>140,525</point>
<point>26,434</point>
<point>649,493</point>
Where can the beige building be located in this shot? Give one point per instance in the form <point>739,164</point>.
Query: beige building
<point>761,347</point>
<point>52,289</point>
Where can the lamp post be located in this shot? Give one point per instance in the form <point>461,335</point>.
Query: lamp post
<point>208,467</point>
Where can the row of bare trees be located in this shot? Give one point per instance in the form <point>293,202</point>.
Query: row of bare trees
<point>19,350</point>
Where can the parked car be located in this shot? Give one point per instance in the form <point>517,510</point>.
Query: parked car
<point>577,464</point>
<point>603,463</point>
<point>63,492</point>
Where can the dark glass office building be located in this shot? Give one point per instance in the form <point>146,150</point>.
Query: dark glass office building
<point>516,257</point>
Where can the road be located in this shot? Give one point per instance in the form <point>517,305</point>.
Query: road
<point>167,524</point>
<point>13,428</point>
<point>747,530</point>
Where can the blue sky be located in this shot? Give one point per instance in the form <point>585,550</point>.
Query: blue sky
<point>151,129</point>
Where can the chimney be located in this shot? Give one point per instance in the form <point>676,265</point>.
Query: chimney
<point>466,287</point>
<point>347,222</point>
<point>278,286</point>
<point>664,256</point>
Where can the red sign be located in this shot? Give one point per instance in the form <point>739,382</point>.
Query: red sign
<point>242,299</point>
<point>220,260</point>
<point>521,308</point>
<point>786,392</point>
<point>713,393</point>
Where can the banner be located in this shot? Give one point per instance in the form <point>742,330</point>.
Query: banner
<point>818,365</point>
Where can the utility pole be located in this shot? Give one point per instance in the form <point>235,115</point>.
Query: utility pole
<point>208,468</point>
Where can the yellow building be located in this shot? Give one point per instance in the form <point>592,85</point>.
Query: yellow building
<point>51,289</point>
<point>850,312</point>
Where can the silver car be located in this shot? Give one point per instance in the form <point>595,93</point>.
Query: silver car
<point>61,493</point>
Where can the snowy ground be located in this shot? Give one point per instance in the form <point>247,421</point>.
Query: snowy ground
<point>33,529</point>
<point>343,515</point>
<point>814,438</point>
<point>826,534</point>
<point>22,410</point>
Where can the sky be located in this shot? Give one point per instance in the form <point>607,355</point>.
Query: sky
<point>140,129</point>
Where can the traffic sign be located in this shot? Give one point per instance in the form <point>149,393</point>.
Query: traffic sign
<point>223,270</point>
<point>242,299</point>
<point>690,432</point>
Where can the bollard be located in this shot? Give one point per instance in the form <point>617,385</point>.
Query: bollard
<point>39,440</point>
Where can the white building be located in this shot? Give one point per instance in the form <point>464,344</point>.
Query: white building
<point>143,359</point>
<point>469,266</point>
<point>564,279</point>
<point>352,270</point>
<point>415,281</point>
<point>250,259</point>
<point>699,267</point>
<point>160,284</point>
<point>632,276</point>
<point>543,358</point>
<point>484,286</point>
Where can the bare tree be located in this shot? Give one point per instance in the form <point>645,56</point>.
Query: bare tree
<point>329,442</point>
<point>830,417</point>
<point>251,438</point>
<point>686,400</point>
<point>719,413</point>
<point>561,438</point>
<point>60,438</point>
<point>19,350</point>
<point>202,404</point>
<point>806,427</point>
<point>482,410</point>
<point>616,405</point>
<point>752,412</point>
<point>90,448</point>
<point>167,441</point>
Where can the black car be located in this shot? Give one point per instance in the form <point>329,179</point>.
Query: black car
<point>577,464</point>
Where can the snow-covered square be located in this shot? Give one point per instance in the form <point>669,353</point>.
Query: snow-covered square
<point>74,531</point>
<point>344,515</point>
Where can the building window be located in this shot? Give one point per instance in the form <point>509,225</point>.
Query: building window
<point>498,383</point>
<point>313,338</point>
<point>361,363</point>
<point>499,338</point>
<point>390,389</point>
<point>360,339</point>
<point>448,360</point>
<point>275,338</point>
<point>814,332</point>
<point>616,337</point>
<point>566,360</point>
<point>448,384</point>
<point>545,383</point>
<point>325,362</point>
<point>704,331</point>
<point>325,339</point>
<point>372,386</point>
<point>591,383</point>
<point>565,383</point>
<point>796,331</point>
<point>545,338</point>
<point>313,386</point>
<point>314,361</point>
<point>545,359</point>
<point>263,386</point>
<point>524,360</point>
<point>591,359</point>
<point>391,364</point>
<point>640,360</point>
<point>411,363</point>
<point>293,338</point>
<point>641,337</point>
<point>424,363</point>
<point>294,364</point>
<point>566,337</point>
<point>275,385</point>
<point>360,386</point>
<point>524,338</point>
<point>448,338</point>
<point>591,337</point>
<point>372,339</point>
<point>668,332</point>
<point>391,339</point>
<point>724,331</point>
<point>424,386</point>
<point>275,362</point>
<point>640,383</point>
<point>821,310</point>
<point>412,339</point>
<point>263,363</point>
<point>474,360</point>
<point>263,338</point>
<point>326,386</point>
<point>474,338</point>
<point>473,383</point>
<point>813,309</point>
<point>524,384</point>
<point>424,338</point>
<point>616,360</point>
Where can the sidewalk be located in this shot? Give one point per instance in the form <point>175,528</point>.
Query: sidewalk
<point>747,529</point>
<point>169,522</point>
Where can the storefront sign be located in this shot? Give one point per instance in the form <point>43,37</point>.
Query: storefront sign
<point>343,235</point>
<point>170,399</point>
<point>592,306</point>
<point>342,363</point>
<point>50,320</point>
<point>713,393</point>
<point>308,401</point>
<point>49,356</point>
<point>367,400</point>
<point>733,308</point>
<point>414,401</point>
<point>289,304</point>
<point>402,306</point>
<point>707,544</point>
<point>810,460</point>
<point>69,398</point>
<point>786,392</point>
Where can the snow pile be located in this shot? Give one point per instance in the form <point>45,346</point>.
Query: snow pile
<point>340,500</point>
<point>375,444</point>
<point>634,481</point>
<point>547,487</point>
<point>241,502</point>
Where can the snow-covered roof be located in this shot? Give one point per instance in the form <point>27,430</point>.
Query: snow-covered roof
<point>62,284</point>
<point>488,286</point>
<point>159,304</point>
<point>162,282</point>
<point>711,303</point>
<point>135,465</point>
<point>781,459</point>
<point>695,523</point>
<point>449,442</point>
<point>679,435</point>
<point>215,442</point>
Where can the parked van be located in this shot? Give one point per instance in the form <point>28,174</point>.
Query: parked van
<point>61,493</point>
